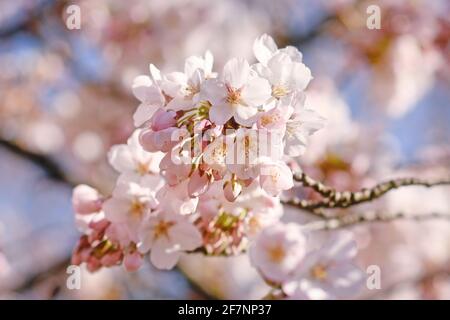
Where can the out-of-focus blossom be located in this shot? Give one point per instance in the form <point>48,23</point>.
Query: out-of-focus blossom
<point>328,272</point>
<point>405,77</point>
<point>278,251</point>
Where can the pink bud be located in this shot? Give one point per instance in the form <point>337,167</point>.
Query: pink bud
<point>162,140</point>
<point>111,259</point>
<point>173,173</point>
<point>86,200</point>
<point>85,254</point>
<point>132,261</point>
<point>163,119</point>
<point>93,264</point>
<point>198,184</point>
<point>100,225</point>
<point>76,258</point>
<point>231,190</point>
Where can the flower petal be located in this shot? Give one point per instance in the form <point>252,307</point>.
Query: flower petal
<point>186,235</point>
<point>116,209</point>
<point>236,72</point>
<point>256,92</point>
<point>263,48</point>
<point>162,256</point>
<point>143,113</point>
<point>221,113</point>
<point>140,87</point>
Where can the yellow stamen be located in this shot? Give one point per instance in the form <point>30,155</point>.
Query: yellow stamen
<point>137,208</point>
<point>276,254</point>
<point>162,229</point>
<point>234,96</point>
<point>142,168</point>
<point>279,91</point>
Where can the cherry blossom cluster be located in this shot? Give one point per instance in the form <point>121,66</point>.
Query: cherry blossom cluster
<point>204,169</point>
<point>304,268</point>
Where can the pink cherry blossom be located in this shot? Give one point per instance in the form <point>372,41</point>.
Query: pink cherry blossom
<point>238,93</point>
<point>132,160</point>
<point>264,48</point>
<point>329,272</point>
<point>285,75</point>
<point>184,87</point>
<point>167,236</point>
<point>277,251</point>
<point>177,199</point>
<point>275,177</point>
<point>131,202</point>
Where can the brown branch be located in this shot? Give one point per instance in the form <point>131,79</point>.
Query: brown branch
<point>51,168</point>
<point>343,199</point>
<point>371,216</point>
<point>29,17</point>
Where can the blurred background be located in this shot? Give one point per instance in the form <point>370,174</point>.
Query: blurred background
<point>65,98</point>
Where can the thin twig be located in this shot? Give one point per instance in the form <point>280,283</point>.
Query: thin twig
<point>343,199</point>
<point>48,165</point>
<point>371,216</point>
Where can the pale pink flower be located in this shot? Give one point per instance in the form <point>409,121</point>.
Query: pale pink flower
<point>131,202</point>
<point>264,48</point>
<point>285,75</point>
<point>277,117</point>
<point>176,199</point>
<point>277,251</point>
<point>184,88</point>
<point>329,272</point>
<point>275,177</point>
<point>263,209</point>
<point>132,160</point>
<point>167,236</point>
<point>239,93</point>
<point>172,172</point>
